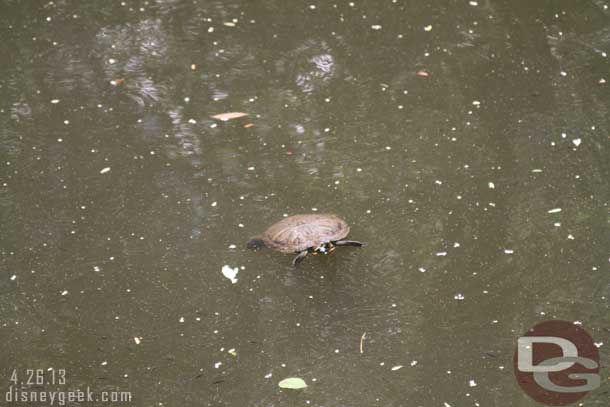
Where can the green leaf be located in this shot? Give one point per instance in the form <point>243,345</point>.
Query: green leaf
<point>292,383</point>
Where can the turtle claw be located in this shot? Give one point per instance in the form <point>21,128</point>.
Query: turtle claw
<point>299,258</point>
<point>348,243</point>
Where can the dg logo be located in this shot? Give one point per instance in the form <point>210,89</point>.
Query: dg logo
<point>557,363</point>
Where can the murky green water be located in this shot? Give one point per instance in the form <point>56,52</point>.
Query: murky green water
<point>121,199</point>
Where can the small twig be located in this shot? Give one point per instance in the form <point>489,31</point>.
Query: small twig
<point>362,342</point>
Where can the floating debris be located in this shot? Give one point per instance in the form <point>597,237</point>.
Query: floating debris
<point>428,28</point>
<point>294,383</point>
<point>228,116</point>
<point>230,273</point>
<point>397,367</point>
<point>376,27</point>
<point>554,210</point>
<point>422,73</point>
<point>136,340</point>
<point>576,142</point>
<point>105,170</point>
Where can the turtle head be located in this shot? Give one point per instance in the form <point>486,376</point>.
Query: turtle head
<point>323,248</point>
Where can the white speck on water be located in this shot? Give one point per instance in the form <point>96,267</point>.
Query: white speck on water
<point>13,277</point>
<point>459,296</point>
<point>570,237</point>
<point>187,99</point>
<point>397,367</point>
<point>509,251</point>
<point>217,365</point>
<point>192,121</point>
<point>376,27</point>
<point>536,170</point>
<point>472,383</point>
<point>598,344</point>
<point>456,244</point>
<point>230,273</point>
<point>473,3</point>
<point>181,320</point>
<point>557,224</point>
<point>422,270</point>
<point>59,140</point>
<point>359,169</point>
<point>251,168</point>
<point>66,122</point>
<point>268,375</point>
<point>65,292</point>
<point>232,246</point>
<point>96,268</point>
<point>554,210</point>
<point>602,80</point>
<point>388,147</point>
<point>428,28</point>
<point>563,73</point>
<point>111,61</point>
<point>576,142</point>
<point>441,253</point>
<point>438,182</point>
<point>476,103</point>
<point>413,362</point>
<point>314,209</point>
<point>211,29</point>
<point>104,363</point>
<point>446,404</point>
<point>491,185</point>
<point>104,170</point>
<point>55,101</point>
<point>312,6</point>
<point>213,204</point>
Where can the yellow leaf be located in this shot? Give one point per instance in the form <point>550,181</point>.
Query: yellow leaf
<point>228,116</point>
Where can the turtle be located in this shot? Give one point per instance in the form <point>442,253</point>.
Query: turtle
<point>304,234</point>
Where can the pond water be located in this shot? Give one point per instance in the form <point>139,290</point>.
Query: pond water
<point>465,142</point>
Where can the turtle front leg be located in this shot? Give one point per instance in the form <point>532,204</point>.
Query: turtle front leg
<point>299,258</point>
<point>348,243</point>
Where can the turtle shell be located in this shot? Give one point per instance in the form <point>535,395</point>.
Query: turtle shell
<point>301,232</point>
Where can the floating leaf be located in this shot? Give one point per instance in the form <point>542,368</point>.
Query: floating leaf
<point>228,116</point>
<point>292,383</point>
